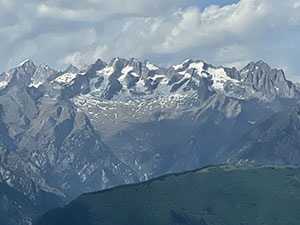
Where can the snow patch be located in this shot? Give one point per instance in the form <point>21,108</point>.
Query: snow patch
<point>140,83</point>
<point>197,66</point>
<point>22,63</point>
<point>163,78</point>
<point>178,67</point>
<point>35,84</point>
<point>124,72</point>
<point>150,66</point>
<point>134,74</point>
<point>3,84</point>
<point>104,179</point>
<point>219,78</point>
<point>157,76</point>
<point>127,69</point>
<point>107,71</point>
<point>65,78</point>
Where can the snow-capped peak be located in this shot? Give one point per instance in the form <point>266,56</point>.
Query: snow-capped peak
<point>220,77</point>
<point>129,79</point>
<point>185,63</point>
<point>66,78</point>
<point>178,67</point>
<point>41,74</point>
<point>198,66</point>
<point>24,62</point>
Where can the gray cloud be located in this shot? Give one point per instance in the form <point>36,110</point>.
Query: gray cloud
<point>164,31</point>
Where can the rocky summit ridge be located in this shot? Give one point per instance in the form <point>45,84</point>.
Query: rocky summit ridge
<point>63,133</point>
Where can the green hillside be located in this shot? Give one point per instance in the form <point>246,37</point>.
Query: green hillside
<point>223,195</point>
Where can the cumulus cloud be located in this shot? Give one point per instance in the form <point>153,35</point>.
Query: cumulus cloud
<point>68,14</point>
<point>81,59</point>
<point>98,10</point>
<point>164,31</point>
<point>245,21</point>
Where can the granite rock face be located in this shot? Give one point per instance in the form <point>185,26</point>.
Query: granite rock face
<point>273,141</point>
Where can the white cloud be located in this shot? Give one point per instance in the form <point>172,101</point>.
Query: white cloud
<point>69,14</point>
<point>296,5</point>
<point>215,26</point>
<point>80,59</point>
<point>99,10</point>
<point>61,32</point>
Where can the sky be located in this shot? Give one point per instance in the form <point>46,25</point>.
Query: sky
<point>165,32</point>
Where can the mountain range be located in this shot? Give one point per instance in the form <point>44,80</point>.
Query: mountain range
<point>64,133</point>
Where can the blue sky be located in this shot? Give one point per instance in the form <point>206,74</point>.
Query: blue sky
<point>230,33</point>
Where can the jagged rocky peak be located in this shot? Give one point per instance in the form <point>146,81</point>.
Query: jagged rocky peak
<point>91,71</point>
<point>267,80</point>
<point>99,63</point>
<point>30,74</point>
<point>71,69</point>
<point>26,68</point>
<point>136,65</point>
<point>20,74</point>
<point>182,66</point>
<point>233,73</point>
<point>199,65</point>
<point>132,64</point>
<point>118,63</point>
<point>27,64</point>
<point>151,66</point>
<point>133,61</point>
<point>260,69</point>
<point>122,66</point>
<point>42,74</point>
<point>131,78</point>
<point>261,65</point>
